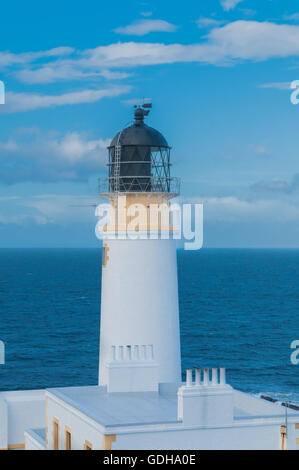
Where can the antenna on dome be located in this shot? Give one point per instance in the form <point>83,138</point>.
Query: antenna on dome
<point>144,108</point>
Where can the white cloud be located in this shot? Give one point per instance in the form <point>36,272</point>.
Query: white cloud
<point>22,219</point>
<point>49,157</point>
<point>73,148</point>
<point>208,22</point>
<point>131,54</point>
<point>65,72</point>
<point>18,102</point>
<point>261,150</point>
<point>114,75</point>
<point>277,85</point>
<point>7,58</point>
<point>53,73</point>
<point>248,11</point>
<point>45,209</point>
<point>253,40</point>
<point>293,17</point>
<point>142,27</point>
<point>234,42</point>
<point>233,209</point>
<point>9,146</point>
<point>62,208</point>
<point>229,4</point>
<point>277,186</point>
<point>8,198</point>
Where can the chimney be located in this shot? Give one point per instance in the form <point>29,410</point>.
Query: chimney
<point>207,402</point>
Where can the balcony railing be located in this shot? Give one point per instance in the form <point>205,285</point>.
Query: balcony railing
<point>137,184</point>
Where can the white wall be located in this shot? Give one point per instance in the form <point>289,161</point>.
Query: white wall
<point>3,424</point>
<point>232,438</point>
<point>82,428</point>
<point>25,409</point>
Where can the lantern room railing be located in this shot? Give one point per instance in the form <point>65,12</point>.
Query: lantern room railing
<point>138,184</point>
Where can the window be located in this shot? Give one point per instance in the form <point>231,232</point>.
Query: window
<point>55,434</point>
<point>105,256</point>
<point>67,438</point>
<point>87,445</point>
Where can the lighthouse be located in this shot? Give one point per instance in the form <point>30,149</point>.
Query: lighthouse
<point>140,402</point>
<point>139,299</point>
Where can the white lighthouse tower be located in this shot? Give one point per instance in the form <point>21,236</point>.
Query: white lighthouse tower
<point>139,305</point>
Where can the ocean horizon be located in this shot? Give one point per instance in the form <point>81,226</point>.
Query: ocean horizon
<point>238,309</point>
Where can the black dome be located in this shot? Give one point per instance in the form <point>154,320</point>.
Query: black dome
<point>139,158</point>
<point>139,134</point>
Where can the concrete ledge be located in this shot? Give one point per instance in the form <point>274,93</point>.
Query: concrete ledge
<point>35,439</point>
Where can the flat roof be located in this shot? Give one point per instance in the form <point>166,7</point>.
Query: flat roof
<point>120,409</point>
<point>151,408</point>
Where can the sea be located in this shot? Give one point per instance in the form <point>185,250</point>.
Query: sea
<point>239,309</point>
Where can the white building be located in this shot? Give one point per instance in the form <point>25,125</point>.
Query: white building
<point>140,402</point>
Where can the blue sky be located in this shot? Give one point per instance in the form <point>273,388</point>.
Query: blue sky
<point>218,74</point>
